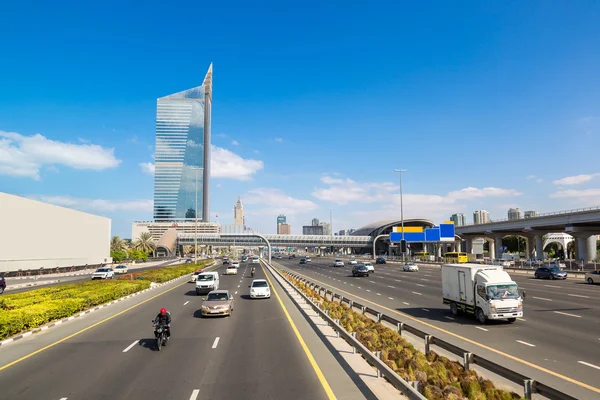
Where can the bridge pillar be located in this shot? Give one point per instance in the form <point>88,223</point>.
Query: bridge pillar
<point>586,247</point>
<point>492,248</point>
<point>539,248</point>
<point>458,245</point>
<point>592,242</point>
<point>468,244</point>
<point>498,245</point>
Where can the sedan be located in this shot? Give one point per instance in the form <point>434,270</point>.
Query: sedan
<point>380,260</point>
<point>2,284</point>
<point>590,277</point>
<point>195,275</point>
<point>410,267</point>
<point>218,302</point>
<point>231,270</point>
<point>369,266</point>
<point>352,261</point>
<point>303,261</point>
<point>360,270</point>
<point>308,259</point>
<point>551,273</point>
<point>259,289</point>
<point>121,269</point>
<point>235,264</point>
<point>103,273</point>
<point>338,263</point>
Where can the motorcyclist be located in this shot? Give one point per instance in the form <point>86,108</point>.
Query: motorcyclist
<point>252,271</point>
<point>164,318</point>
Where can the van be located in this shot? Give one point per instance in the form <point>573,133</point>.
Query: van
<point>255,260</point>
<point>207,282</point>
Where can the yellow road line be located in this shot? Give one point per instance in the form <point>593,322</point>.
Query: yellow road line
<point>529,364</point>
<point>309,355</point>
<point>10,364</point>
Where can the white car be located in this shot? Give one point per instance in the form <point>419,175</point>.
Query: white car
<point>410,267</point>
<point>259,289</point>
<point>369,266</point>
<point>338,263</point>
<point>121,269</point>
<point>308,259</point>
<point>352,261</point>
<point>103,273</point>
<point>235,264</point>
<point>231,270</point>
<point>195,275</point>
<point>255,260</point>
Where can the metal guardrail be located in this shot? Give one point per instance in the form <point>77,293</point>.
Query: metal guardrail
<point>530,386</point>
<point>373,358</point>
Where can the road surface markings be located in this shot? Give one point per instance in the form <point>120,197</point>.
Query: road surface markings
<point>391,298</point>
<point>186,302</point>
<point>408,304</point>
<point>236,292</point>
<point>450,318</point>
<point>541,298</point>
<point>567,314</point>
<point>588,364</point>
<point>368,290</point>
<point>554,286</point>
<point>63,398</point>
<point>359,287</point>
<point>424,309</point>
<point>483,329</point>
<point>579,295</point>
<point>525,343</point>
<point>393,287</point>
<point>215,343</point>
<point>417,293</point>
<point>239,285</point>
<point>352,284</point>
<point>378,294</point>
<point>522,319</point>
<point>195,394</point>
<point>418,284</point>
<point>371,281</point>
<point>130,346</point>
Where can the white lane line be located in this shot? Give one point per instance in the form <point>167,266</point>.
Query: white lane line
<point>391,298</point>
<point>345,282</point>
<point>359,287</point>
<point>567,314</point>
<point>554,286</point>
<point>195,394</point>
<point>578,295</point>
<point>522,319</point>
<point>186,303</point>
<point>130,346</point>
<point>424,309</point>
<point>215,343</point>
<point>418,284</point>
<point>235,292</point>
<point>239,285</point>
<point>425,279</point>
<point>397,280</point>
<point>368,290</point>
<point>63,398</point>
<point>450,318</point>
<point>393,287</point>
<point>371,281</point>
<point>408,304</point>
<point>417,293</point>
<point>352,284</point>
<point>483,329</point>
<point>541,298</point>
<point>588,364</point>
<point>525,343</point>
<point>378,294</point>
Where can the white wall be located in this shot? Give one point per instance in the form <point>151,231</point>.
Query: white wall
<point>35,234</point>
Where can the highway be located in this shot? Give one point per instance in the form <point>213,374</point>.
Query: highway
<point>254,354</point>
<point>560,330</point>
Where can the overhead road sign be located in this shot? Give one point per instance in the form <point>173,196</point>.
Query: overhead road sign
<point>416,234</point>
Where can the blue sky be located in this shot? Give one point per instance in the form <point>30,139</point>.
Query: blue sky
<point>486,104</point>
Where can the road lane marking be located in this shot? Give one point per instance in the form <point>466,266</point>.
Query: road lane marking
<point>541,298</point>
<point>417,293</point>
<point>522,319</point>
<point>359,287</point>
<point>588,364</point>
<point>195,394</point>
<point>483,329</point>
<point>424,309</point>
<point>378,294</point>
<point>476,343</point>
<point>63,398</point>
<point>578,295</point>
<point>130,346</point>
<point>567,314</point>
<point>425,279</point>
<point>372,281</point>
<point>236,292</point>
<point>418,284</point>
<point>393,287</point>
<point>450,318</point>
<point>554,286</point>
<point>368,290</point>
<point>525,343</point>
<point>391,298</point>
<point>309,355</point>
<point>408,304</point>
<point>186,302</point>
<point>215,343</point>
<point>239,285</point>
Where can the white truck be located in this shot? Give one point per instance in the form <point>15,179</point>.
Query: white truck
<point>487,291</point>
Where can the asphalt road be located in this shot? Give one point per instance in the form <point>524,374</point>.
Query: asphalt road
<point>254,354</point>
<point>560,330</point>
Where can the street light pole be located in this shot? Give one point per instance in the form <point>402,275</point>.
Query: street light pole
<point>400,171</point>
<point>196,218</point>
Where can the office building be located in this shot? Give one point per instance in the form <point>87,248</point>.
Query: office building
<point>237,229</point>
<point>312,230</point>
<point>514,213</point>
<point>343,232</point>
<point>281,219</point>
<point>326,228</point>
<point>283,229</point>
<point>157,229</point>
<point>481,217</point>
<point>315,222</point>
<point>530,214</point>
<point>459,219</point>
<point>238,213</point>
<point>182,159</point>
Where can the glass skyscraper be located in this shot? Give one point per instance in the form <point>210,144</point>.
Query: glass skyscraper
<point>182,159</point>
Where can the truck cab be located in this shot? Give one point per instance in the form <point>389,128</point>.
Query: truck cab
<point>487,291</point>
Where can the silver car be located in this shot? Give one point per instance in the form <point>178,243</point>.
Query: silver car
<point>592,277</point>
<point>218,302</point>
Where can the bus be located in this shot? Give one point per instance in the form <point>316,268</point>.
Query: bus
<point>422,255</point>
<point>456,257</point>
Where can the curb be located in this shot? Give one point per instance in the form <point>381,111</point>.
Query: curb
<point>31,284</point>
<point>82,313</point>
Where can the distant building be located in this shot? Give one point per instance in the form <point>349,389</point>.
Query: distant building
<point>481,217</point>
<point>284,229</point>
<point>326,228</point>
<point>514,213</point>
<point>233,228</point>
<point>312,230</point>
<point>281,219</point>
<point>343,232</point>
<point>315,222</point>
<point>459,219</point>
<point>530,214</point>
<point>158,228</point>
<point>351,231</point>
<point>238,213</point>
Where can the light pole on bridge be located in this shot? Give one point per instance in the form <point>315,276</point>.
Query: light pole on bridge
<point>402,243</point>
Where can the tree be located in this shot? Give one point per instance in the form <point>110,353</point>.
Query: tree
<point>118,255</point>
<point>144,243</point>
<point>137,255</point>
<point>514,244</point>
<point>116,243</point>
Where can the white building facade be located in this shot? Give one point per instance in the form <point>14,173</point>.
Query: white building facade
<point>38,235</point>
<point>157,229</point>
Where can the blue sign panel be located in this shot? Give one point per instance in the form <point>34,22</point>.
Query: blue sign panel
<point>408,236</point>
<point>432,234</point>
<point>447,231</point>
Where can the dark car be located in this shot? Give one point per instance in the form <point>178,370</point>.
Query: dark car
<point>380,260</point>
<point>550,273</point>
<point>360,270</point>
<point>2,284</point>
<point>303,261</point>
<point>225,261</point>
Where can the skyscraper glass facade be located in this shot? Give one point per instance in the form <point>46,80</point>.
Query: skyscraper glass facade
<point>181,143</point>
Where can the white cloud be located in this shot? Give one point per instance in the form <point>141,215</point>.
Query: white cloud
<point>530,177</point>
<point>279,140</point>
<point>24,156</point>
<point>275,202</point>
<point>471,192</point>
<point>235,143</point>
<point>97,205</point>
<point>147,168</point>
<point>575,180</point>
<point>219,185</point>
<point>576,193</point>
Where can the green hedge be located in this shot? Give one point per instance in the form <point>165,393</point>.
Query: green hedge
<point>25,311</point>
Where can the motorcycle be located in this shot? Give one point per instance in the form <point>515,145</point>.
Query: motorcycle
<point>252,273</point>
<point>160,332</point>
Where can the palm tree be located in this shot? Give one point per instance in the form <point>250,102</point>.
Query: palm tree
<point>145,243</point>
<point>116,244</point>
<point>188,249</point>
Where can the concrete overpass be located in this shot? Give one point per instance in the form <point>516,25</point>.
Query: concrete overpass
<point>582,224</point>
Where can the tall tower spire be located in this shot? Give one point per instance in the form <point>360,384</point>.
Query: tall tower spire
<point>238,212</point>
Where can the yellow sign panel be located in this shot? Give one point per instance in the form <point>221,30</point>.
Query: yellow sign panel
<point>414,229</point>
<point>449,222</point>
